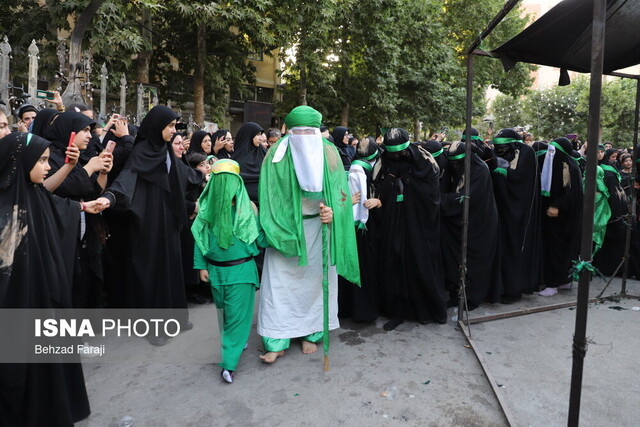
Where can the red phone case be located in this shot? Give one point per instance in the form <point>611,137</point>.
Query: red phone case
<point>72,138</point>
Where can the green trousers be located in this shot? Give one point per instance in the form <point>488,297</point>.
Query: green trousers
<point>234,304</point>
<point>278,344</point>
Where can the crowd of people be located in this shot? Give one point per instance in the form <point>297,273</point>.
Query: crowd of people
<point>327,225</point>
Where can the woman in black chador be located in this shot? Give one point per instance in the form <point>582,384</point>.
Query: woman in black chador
<point>361,303</point>
<point>516,187</point>
<point>406,182</point>
<point>36,266</point>
<point>610,254</point>
<point>249,152</point>
<point>86,181</point>
<point>561,213</point>
<point>340,137</point>
<point>152,188</point>
<point>483,281</point>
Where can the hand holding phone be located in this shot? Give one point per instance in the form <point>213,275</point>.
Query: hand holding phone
<point>72,138</point>
<point>110,146</point>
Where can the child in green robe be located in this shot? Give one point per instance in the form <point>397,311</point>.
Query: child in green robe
<point>225,232</point>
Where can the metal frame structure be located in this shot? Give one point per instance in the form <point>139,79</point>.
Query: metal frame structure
<point>595,95</point>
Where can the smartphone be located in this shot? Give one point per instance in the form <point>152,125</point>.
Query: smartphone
<point>571,136</point>
<point>44,94</point>
<point>110,146</point>
<point>72,138</point>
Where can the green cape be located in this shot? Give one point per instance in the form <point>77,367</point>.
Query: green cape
<point>215,214</point>
<point>602,211</point>
<point>281,210</point>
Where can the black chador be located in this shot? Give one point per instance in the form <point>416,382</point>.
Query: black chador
<point>360,303</point>
<point>561,188</point>
<point>610,254</point>
<point>152,187</point>
<point>38,241</point>
<point>483,280</point>
<point>516,190</point>
<point>406,181</point>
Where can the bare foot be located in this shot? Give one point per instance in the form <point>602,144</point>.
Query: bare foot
<point>308,347</point>
<point>271,356</point>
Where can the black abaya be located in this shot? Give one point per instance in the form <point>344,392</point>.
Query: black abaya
<point>36,273</point>
<point>249,157</point>
<point>152,188</point>
<point>483,280</point>
<point>410,279</point>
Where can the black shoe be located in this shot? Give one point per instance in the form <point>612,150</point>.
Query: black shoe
<point>157,341</point>
<point>186,326</point>
<point>392,324</point>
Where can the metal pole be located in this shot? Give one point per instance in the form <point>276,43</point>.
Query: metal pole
<point>462,297</point>
<point>5,59</point>
<point>595,95</point>
<point>493,24</point>
<point>631,216</point>
<point>103,91</point>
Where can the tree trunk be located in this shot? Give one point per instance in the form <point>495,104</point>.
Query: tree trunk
<point>417,129</point>
<point>144,57</point>
<point>344,76</point>
<point>73,91</point>
<point>344,115</point>
<point>198,76</point>
<point>302,90</point>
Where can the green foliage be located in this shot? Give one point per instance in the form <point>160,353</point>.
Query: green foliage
<point>557,111</point>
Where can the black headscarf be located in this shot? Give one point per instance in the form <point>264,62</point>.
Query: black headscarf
<point>36,273</point>
<point>249,157</point>
<point>506,150</point>
<point>437,151</point>
<point>338,137</point>
<point>222,153</point>
<point>59,132</point>
<point>43,120</point>
<point>196,142</point>
<point>149,156</point>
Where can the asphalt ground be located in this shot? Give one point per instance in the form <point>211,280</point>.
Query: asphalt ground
<point>414,375</point>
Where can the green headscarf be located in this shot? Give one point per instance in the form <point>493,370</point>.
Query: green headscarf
<point>218,215</point>
<point>303,116</point>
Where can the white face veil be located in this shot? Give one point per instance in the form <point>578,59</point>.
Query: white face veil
<point>307,153</point>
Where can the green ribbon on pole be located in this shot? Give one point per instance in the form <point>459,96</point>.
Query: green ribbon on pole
<point>579,266</point>
<point>325,296</point>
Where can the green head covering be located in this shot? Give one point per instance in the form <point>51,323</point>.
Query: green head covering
<point>216,212</point>
<point>303,116</point>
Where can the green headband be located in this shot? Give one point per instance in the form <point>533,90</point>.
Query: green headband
<point>559,147</point>
<point>437,153</point>
<point>371,157</point>
<point>364,165</point>
<point>540,152</point>
<point>473,138</point>
<point>504,140</point>
<point>457,157</point>
<point>394,148</point>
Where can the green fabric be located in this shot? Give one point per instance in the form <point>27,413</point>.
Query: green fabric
<point>278,344</point>
<point>234,305</point>
<point>395,148</point>
<point>602,211</point>
<point>364,165</point>
<point>437,153</point>
<point>281,210</point>
<point>504,140</point>
<point>473,138</point>
<point>612,169</point>
<point>501,171</point>
<point>400,198</point>
<point>247,272</point>
<point>540,152</point>
<point>216,213</point>
<point>371,157</point>
<point>303,116</point>
<point>579,266</point>
<point>325,290</point>
<point>457,157</point>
